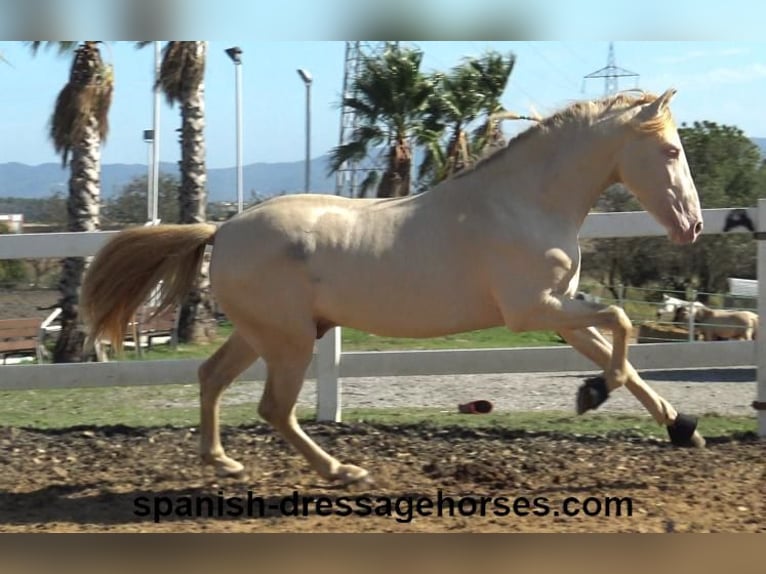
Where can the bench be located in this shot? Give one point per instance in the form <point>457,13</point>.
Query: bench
<point>163,325</point>
<point>144,328</point>
<point>21,337</point>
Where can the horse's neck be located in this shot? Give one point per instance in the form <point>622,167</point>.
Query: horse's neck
<point>561,172</point>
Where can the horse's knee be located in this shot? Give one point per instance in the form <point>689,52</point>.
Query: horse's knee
<point>620,318</point>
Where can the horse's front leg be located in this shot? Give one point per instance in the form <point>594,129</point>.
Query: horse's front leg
<point>681,428</point>
<point>557,313</point>
<point>576,321</point>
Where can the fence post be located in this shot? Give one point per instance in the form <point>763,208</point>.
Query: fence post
<point>328,384</point>
<point>760,341</point>
<point>692,299</point>
<point>621,295</point>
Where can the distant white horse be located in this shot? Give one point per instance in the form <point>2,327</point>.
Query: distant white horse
<point>668,310</point>
<point>494,245</point>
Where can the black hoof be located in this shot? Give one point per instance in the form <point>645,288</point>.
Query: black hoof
<point>682,433</point>
<point>591,394</point>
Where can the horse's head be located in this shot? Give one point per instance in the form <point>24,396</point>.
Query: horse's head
<point>653,166</point>
<point>667,308</point>
<point>682,315</point>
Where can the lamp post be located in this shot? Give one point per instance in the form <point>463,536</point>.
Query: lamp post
<point>149,139</point>
<point>235,53</point>
<point>307,79</point>
<point>155,203</point>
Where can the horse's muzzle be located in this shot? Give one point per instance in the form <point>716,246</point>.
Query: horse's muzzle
<point>688,235</point>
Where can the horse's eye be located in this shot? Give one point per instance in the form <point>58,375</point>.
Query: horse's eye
<point>672,152</point>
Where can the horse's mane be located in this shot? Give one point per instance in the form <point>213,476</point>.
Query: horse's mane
<point>581,112</point>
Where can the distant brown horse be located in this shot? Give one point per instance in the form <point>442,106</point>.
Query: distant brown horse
<point>495,245</point>
<point>720,324</point>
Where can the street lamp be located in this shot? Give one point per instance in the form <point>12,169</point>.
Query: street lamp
<point>149,138</point>
<point>156,136</point>
<point>235,53</point>
<point>307,79</point>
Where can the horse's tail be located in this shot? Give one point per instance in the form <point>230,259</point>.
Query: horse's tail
<point>127,268</point>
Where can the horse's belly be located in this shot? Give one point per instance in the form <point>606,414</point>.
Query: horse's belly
<point>402,309</point>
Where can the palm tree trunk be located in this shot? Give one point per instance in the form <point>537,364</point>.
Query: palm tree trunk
<point>396,180</point>
<point>192,199</point>
<point>82,215</point>
<point>196,322</point>
<point>458,157</point>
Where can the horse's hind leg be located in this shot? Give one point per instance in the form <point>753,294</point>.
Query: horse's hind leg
<point>287,359</point>
<point>215,374</point>
<point>594,346</point>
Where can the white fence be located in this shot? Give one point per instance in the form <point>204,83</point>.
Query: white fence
<point>330,364</point>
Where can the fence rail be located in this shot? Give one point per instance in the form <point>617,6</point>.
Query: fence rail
<point>330,364</point>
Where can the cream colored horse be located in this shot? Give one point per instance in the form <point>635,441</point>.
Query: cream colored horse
<point>495,245</point>
<point>722,324</point>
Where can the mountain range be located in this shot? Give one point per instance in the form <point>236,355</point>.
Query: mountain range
<point>266,179</point>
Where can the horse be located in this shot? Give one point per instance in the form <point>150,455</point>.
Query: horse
<point>669,309</point>
<point>722,324</point>
<point>494,245</point>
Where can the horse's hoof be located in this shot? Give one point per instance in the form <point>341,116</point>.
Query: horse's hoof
<point>225,467</point>
<point>591,394</point>
<point>349,474</point>
<point>683,432</point>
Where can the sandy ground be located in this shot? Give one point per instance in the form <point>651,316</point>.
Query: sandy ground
<point>115,479</point>
<point>122,479</point>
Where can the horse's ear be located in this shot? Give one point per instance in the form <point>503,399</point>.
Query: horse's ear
<point>665,98</point>
<point>659,105</point>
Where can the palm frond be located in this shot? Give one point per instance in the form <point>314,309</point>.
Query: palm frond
<point>63,48</point>
<point>352,151</point>
<point>182,69</point>
<point>85,98</point>
<point>370,181</point>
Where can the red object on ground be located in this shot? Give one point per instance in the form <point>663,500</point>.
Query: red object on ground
<point>480,407</point>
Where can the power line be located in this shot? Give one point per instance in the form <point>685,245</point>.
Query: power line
<point>559,72</point>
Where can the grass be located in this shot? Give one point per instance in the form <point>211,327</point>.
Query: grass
<point>353,340</point>
<point>176,406</point>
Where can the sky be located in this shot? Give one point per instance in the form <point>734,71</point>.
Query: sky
<point>720,81</point>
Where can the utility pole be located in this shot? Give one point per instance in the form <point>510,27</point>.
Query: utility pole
<point>611,72</point>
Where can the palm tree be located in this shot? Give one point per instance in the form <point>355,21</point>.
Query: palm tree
<point>78,125</point>
<point>390,99</point>
<point>182,75</point>
<point>456,103</point>
<point>494,71</point>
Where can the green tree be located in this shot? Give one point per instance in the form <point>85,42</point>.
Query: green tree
<point>621,261</point>
<point>78,125</point>
<point>728,171</point>
<point>129,204</point>
<point>455,104</point>
<point>11,270</point>
<point>468,94</point>
<point>494,70</point>
<point>391,96</point>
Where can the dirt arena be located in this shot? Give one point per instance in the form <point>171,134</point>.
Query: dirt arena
<point>108,479</point>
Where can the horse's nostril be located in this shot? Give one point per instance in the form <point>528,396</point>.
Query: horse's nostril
<point>698,228</point>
